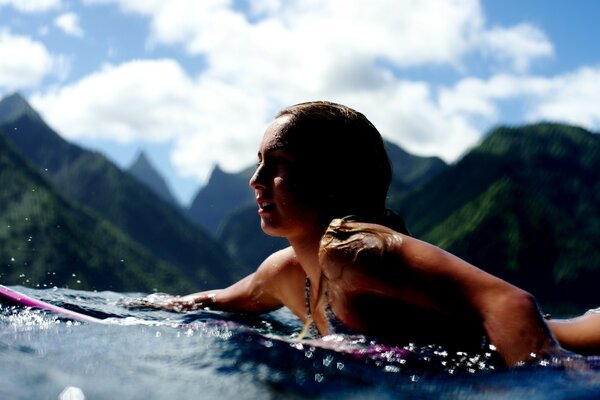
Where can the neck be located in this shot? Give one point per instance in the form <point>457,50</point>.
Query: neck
<point>307,253</point>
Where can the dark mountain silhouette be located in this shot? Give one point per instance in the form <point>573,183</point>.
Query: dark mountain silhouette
<point>223,193</point>
<point>524,205</point>
<point>90,179</point>
<point>143,170</point>
<point>14,106</point>
<point>46,240</point>
<point>409,171</point>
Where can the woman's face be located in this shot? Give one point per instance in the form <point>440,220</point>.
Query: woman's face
<point>282,188</point>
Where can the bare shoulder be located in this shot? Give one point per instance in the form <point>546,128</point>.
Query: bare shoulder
<point>280,268</point>
<point>282,275</point>
<point>280,262</point>
<point>354,243</point>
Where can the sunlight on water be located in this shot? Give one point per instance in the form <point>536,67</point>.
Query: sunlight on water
<point>149,354</point>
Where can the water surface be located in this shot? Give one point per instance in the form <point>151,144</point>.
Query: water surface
<point>148,354</point>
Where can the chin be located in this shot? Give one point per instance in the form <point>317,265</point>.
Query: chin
<point>271,230</point>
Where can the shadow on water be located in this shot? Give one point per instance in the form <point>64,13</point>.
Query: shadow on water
<point>149,354</point>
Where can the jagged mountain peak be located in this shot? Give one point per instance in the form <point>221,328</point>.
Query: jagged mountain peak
<point>14,106</point>
<point>145,171</point>
<point>141,161</point>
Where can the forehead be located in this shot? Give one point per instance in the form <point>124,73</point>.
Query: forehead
<point>274,137</point>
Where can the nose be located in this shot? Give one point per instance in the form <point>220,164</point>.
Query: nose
<point>255,181</point>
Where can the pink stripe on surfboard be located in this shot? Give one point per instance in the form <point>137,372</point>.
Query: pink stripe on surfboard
<point>24,300</point>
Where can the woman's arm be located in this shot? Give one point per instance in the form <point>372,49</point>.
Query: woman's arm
<point>257,293</point>
<point>580,334</point>
<point>376,260</point>
<point>510,316</point>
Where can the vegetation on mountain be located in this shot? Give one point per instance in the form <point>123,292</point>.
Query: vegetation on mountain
<point>46,240</point>
<point>88,178</point>
<point>524,205</point>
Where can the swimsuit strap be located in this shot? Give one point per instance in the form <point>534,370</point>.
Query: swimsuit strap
<point>308,324</point>
<point>333,325</point>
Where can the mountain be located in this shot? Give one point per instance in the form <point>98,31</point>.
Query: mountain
<point>15,106</point>
<point>223,193</point>
<point>143,170</point>
<point>46,240</point>
<point>409,171</point>
<point>88,178</point>
<point>525,206</point>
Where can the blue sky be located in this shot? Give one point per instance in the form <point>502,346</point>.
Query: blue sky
<point>194,83</point>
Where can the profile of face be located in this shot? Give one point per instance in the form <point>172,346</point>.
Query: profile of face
<point>283,190</point>
<point>319,161</point>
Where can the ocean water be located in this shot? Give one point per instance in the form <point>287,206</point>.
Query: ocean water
<point>149,354</point>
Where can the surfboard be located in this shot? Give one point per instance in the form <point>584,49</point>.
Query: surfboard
<point>20,299</point>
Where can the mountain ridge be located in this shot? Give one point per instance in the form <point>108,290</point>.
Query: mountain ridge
<point>46,240</point>
<point>523,205</point>
<point>89,178</point>
<point>144,171</point>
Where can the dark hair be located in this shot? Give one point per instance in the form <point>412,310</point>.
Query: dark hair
<point>345,158</point>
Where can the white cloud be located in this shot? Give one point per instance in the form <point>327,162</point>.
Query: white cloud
<point>32,6</point>
<point>519,45</point>
<point>154,100</point>
<point>283,52</point>
<point>69,24</point>
<point>25,62</point>
<point>571,98</point>
<point>406,33</point>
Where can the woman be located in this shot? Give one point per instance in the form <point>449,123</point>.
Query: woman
<point>321,182</point>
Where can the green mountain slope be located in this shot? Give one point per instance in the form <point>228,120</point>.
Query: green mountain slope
<point>524,205</point>
<point>90,179</point>
<point>48,241</point>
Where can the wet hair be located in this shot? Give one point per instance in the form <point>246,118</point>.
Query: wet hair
<point>345,160</point>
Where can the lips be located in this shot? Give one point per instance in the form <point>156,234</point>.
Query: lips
<point>264,205</point>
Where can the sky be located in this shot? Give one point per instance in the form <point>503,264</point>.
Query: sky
<point>194,83</point>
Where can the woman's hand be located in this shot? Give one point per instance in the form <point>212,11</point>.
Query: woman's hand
<point>163,301</point>
<point>192,302</point>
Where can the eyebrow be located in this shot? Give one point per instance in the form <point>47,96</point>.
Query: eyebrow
<point>277,146</point>
<point>283,155</point>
